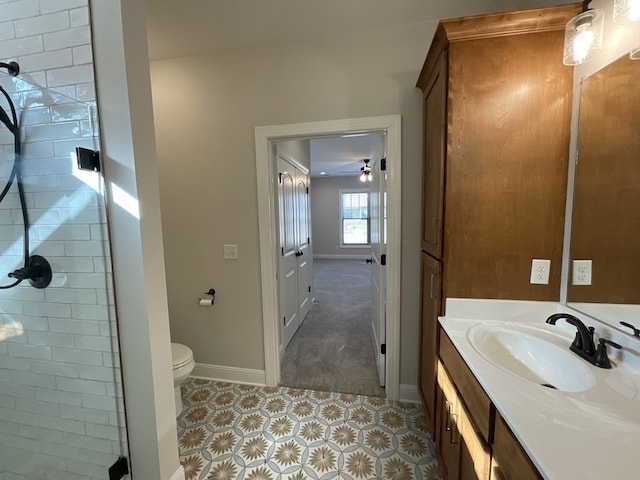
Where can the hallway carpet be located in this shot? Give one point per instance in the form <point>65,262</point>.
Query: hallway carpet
<point>332,350</point>
<point>243,432</point>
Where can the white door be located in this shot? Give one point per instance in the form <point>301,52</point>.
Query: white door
<point>288,265</point>
<point>378,219</point>
<point>295,250</point>
<point>303,240</point>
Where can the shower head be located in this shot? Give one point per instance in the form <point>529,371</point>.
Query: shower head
<point>12,68</point>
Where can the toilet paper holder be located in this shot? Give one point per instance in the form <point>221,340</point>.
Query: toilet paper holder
<point>206,302</point>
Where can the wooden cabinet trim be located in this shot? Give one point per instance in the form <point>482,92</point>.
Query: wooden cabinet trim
<point>494,25</point>
<point>478,403</point>
<point>510,23</point>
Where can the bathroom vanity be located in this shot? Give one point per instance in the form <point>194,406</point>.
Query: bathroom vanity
<point>505,396</point>
<point>517,400</point>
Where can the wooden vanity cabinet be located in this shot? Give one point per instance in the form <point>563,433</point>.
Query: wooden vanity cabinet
<point>464,426</point>
<point>463,452</point>
<point>472,440</point>
<point>429,311</point>
<point>509,460</point>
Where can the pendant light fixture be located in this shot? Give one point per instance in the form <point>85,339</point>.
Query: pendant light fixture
<point>626,11</point>
<point>366,174</point>
<point>583,35</point>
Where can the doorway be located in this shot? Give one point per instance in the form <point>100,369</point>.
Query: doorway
<point>266,137</point>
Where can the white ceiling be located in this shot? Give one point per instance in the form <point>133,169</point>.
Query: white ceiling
<point>343,156</point>
<point>189,27</point>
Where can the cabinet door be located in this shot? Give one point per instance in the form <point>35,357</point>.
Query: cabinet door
<point>447,437</point>
<point>429,311</point>
<point>434,150</point>
<point>509,459</point>
<point>475,455</point>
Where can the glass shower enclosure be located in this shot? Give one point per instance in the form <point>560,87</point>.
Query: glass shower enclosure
<point>61,397</point>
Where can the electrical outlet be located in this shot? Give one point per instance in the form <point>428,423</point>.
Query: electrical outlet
<point>581,272</point>
<point>540,271</point>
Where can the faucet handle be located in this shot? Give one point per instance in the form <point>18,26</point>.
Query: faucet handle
<point>636,331</point>
<point>600,359</point>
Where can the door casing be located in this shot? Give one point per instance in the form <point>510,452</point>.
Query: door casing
<point>264,138</point>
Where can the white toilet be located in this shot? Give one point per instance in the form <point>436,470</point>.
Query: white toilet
<point>183,364</point>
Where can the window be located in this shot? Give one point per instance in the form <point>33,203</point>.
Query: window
<point>354,216</point>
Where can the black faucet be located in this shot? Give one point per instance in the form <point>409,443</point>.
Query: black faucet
<point>583,344</point>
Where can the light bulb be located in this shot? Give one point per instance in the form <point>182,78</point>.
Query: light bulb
<point>363,177</point>
<point>583,37</point>
<point>626,11</point>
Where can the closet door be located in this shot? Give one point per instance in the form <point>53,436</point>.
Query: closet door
<point>303,241</point>
<point>288,265</point>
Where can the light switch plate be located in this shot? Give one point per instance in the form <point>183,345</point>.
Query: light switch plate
<point>231,252</point>
<point>540,269</point>
<point>581,272</point>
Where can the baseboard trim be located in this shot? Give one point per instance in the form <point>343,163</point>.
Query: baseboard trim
<point>409,394</point>
<point>323,256</point>
<point>219,373</point>
<point>179,475</point>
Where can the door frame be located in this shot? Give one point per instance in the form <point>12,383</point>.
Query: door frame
<point>264,136</point>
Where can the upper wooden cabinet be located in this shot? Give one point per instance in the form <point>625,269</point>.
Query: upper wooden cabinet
<point>497,109</point>
<point>435,122</point>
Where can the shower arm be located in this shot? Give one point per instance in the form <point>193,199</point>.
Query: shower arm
<point>12,68</point>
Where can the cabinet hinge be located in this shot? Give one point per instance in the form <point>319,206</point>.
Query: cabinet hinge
<point>383,349</point>
<point>383,164</point>
<point>383,259</point>
<point>119,469</point>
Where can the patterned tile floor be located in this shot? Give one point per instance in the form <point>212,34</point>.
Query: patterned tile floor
<point>229,431</point>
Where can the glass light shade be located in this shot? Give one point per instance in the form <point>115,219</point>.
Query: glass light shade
<point>626,11</point>
<point>363,177</point>
<point>583,37</point>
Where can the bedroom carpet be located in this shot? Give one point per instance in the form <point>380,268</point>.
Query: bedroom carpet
<point>332,350</point>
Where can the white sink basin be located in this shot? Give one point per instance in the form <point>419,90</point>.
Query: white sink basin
<point>534,354</point>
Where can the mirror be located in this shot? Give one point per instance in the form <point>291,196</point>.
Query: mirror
<point>606,207</point>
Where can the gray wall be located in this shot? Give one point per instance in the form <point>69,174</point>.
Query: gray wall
<point>206,108</point>
<point>325,217</point>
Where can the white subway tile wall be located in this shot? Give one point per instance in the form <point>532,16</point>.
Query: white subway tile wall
<point>61,405</point>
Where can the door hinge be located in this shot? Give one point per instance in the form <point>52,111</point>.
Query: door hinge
<point>383,349</point>
<point>308,240</point>
<point>119,469</point>
<point>280,178</point>
<point>309,288</point>
<point>383,259</point>
<point>282,249</point>
<point>383,164</point>
<point>284,320</point>
<point>307,190</point>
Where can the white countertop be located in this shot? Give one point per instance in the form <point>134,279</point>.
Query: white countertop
<point>594,434</point>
